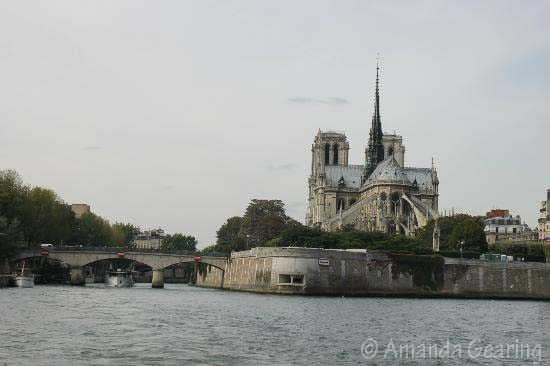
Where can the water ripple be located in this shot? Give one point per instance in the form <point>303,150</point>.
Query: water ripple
<point>62,325</point>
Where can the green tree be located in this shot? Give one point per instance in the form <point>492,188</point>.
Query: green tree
<point>10,237</point>
<point>121,234</point>
<point>46,218</point>
<point>179,242</point>
<point>12,195</point>
<point>298,235</point>
<point>454,229</point>
<point>263,220</point>
<point>210,249</point>
<point>228,236</point>
<point>92,230</point>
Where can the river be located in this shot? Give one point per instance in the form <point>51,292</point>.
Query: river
<point>93,325</point>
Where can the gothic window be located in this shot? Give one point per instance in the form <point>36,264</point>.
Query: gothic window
<point>341,205</point>
<point>335,158</point>
<point>390,151</point>
<point>327,154</point>
<point>395,203</point>
<point>395,197</point>
<point>383,196</point>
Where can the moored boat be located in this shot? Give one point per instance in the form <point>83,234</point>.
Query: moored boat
<point>24,277</point>
<point>119,278</point>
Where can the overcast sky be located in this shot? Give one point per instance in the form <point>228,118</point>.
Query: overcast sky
<point>177,113</point>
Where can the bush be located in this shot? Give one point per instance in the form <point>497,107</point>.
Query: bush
<point>529,252</point>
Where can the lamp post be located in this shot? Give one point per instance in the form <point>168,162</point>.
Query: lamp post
<point>461,245</point>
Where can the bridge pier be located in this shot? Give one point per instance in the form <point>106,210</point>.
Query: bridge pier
<point>77,276</point>
<point>158,278</point>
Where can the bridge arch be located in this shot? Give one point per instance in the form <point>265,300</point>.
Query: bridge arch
<point>77,259</point>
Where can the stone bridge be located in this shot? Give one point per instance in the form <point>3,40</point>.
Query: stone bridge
<point>76,259</point>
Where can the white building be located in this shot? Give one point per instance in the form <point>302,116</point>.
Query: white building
<point>544,218</point>
<point>500,226</point>
<point>149,239</point>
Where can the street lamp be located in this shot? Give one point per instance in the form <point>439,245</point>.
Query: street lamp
<point>461,245</point>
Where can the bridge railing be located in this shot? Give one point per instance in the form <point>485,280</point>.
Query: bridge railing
<point>80,248</point>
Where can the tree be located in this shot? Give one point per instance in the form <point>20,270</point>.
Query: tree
<point>471,232</point>
<point>179,242</point>
<point>121,234</point>
<point>12,195</point>
<point>10,237</point>
<point>43,217</point>
<point>298,235</point>
<point>210,249</point>
<point>92,230</point>
<point>263,220</point>
<point>46,218</point>
<point>454,229</point>
<point>228,238</point>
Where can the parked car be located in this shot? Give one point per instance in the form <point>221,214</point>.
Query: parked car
<point>47,246</point>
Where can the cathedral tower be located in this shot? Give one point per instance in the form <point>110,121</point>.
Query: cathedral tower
<point>375,149</point>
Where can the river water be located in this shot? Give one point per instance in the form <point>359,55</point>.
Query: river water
<point>93,325</point>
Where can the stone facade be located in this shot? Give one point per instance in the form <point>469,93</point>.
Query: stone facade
<point>306,271</point>
<point>544,218</point>
<point>80,209</point>
<point>382,194</point>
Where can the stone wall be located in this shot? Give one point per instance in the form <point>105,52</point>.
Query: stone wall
<point>336,272</point>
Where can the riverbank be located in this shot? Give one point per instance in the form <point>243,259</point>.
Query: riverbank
<point>4,281</point>
<point>5,275</point>
<point>303,271</point>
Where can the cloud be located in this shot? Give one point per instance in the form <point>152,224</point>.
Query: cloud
<point>307,100</point>
<point>91,148</point>
<point>282,167</point>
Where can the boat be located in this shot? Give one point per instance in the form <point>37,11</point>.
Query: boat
<point>24,277</point>
<point>119,278</point>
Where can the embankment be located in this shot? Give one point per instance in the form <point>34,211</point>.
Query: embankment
<point>344,273</point>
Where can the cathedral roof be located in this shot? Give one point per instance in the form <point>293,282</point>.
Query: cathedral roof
<point>423,177</point>
<point>350,173</point>
<point>388,171</point>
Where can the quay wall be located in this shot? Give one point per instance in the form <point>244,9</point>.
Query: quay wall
<point>346,273</point>
<point>4,273</point>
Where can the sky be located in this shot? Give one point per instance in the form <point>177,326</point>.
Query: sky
<point>178,113</point>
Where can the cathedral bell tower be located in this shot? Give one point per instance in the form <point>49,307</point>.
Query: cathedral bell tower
<point>374,154</point>
<point>329,149</point>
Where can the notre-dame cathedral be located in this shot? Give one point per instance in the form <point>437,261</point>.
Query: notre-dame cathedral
<point>381,195</point>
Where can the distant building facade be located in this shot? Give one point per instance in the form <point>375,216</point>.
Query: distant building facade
<point>380,195</point>
<point>149,239</point>
<point>544,218</point>
<point>501,226</point>
<point>80,209</point>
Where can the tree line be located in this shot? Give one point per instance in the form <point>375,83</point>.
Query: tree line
<point>265,223</point>
<point>32,215</point>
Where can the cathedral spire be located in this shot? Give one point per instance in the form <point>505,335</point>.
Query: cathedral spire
<point>375,150</point>
<point>376,117</point>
